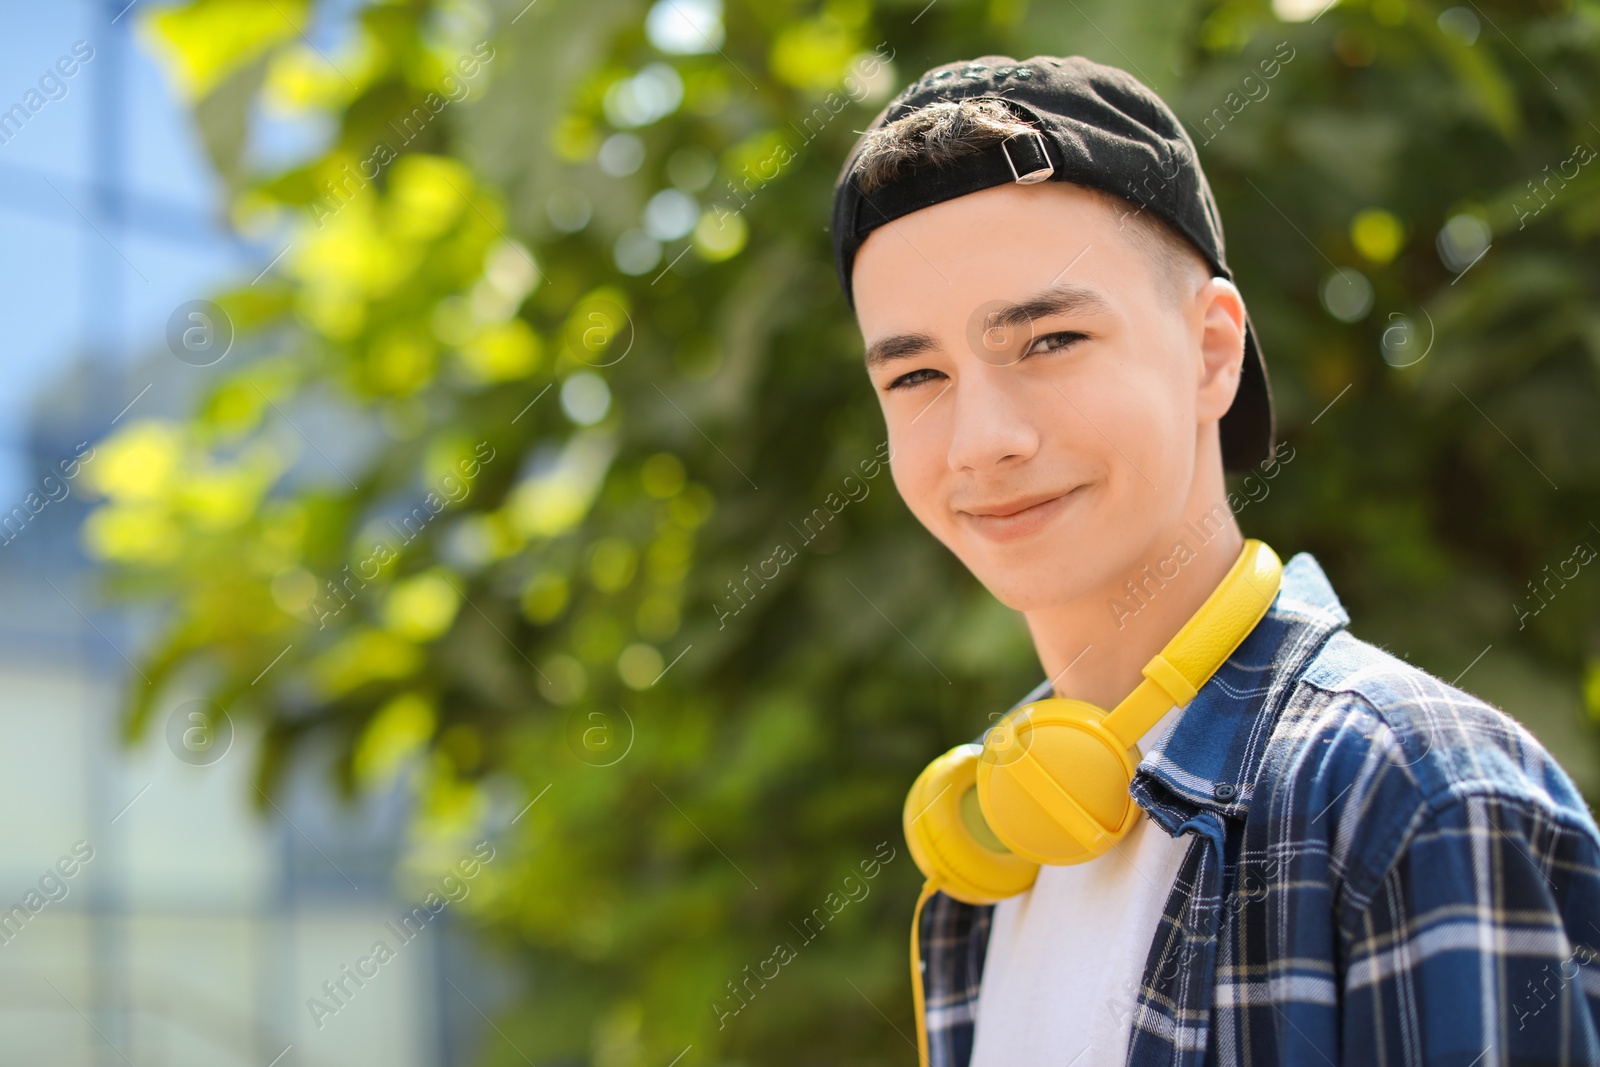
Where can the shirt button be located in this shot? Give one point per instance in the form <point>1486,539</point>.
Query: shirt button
<point>1224,792</point>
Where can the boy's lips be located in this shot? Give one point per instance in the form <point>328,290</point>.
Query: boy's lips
<point>1021,503</point>
<point>1019,517</point>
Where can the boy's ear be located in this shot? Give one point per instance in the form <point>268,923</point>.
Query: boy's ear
<point>1221,347</point>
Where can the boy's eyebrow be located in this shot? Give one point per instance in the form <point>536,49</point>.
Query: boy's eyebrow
<point>1063,299</point>
<point>899,346</point>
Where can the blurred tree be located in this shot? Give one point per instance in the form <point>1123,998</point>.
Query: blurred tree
<point>544,469</point>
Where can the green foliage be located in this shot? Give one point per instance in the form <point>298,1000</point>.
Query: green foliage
<point>557,619</point>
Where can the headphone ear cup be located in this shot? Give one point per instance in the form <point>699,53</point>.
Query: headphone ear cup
<point>944,830</point>
<point>1053,782</point>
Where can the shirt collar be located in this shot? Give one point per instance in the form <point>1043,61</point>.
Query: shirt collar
<point>1209,757</point>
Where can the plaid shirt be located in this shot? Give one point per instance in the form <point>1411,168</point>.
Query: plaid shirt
<point>1382,870</point>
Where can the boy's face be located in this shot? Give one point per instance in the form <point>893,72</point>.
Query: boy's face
<point>1050,398</point>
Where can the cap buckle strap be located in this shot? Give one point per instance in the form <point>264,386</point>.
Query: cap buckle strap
<point>1036,165</point>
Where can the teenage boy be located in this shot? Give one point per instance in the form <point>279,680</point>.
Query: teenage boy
<point>1282,845</point>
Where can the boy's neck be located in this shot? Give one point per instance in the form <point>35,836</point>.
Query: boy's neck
<point>1093,648</point>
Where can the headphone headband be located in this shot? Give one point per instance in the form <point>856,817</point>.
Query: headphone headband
<point>1175,674</point>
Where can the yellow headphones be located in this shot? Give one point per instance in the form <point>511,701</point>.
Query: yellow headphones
<point>1049,782</point>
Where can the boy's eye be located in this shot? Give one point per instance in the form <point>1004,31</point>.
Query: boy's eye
<point>906,381</point>
<point>1052,342</point>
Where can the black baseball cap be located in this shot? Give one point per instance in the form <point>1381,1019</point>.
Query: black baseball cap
<point>1096,126</point>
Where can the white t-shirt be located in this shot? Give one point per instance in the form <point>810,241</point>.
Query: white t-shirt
<point>1065,959</point>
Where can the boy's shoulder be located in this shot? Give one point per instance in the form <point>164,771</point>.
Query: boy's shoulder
<point>1452,743</point>
<point>1375,747</point>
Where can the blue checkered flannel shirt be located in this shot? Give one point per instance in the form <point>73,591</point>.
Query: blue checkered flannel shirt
<point>1383,870</point>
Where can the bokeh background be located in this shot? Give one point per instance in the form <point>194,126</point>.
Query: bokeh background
<point>434,442</point>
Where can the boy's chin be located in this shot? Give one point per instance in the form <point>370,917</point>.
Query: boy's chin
<point>1025,591</point>
<point>1053,573</point>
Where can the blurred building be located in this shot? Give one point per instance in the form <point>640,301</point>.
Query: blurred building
<point>191,929</point>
